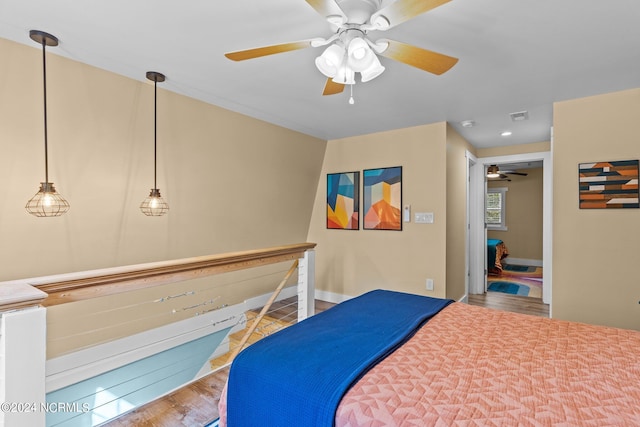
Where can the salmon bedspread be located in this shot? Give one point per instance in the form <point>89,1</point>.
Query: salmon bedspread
<point>474,366</point>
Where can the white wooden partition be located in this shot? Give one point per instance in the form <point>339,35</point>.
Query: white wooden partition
<point>22,356</point>
<point>25,374</point>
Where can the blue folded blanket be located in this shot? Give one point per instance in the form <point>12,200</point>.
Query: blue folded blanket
<point>298,376</point>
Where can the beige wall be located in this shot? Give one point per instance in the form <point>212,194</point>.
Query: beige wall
<point>232,182</point>
<point>457,148</point>
<point>595,252</point>
<point>523,236</point>
<point>352,262</point>
<point>508,150</point>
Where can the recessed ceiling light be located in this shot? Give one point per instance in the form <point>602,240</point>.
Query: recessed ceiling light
<point>506,133</point>
<point>468,123</point>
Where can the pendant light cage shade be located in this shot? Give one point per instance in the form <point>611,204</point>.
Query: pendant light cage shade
<point>47,202</point>
<point>154,205</point>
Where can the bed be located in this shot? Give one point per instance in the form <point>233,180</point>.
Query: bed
<point>456,365</point>
<point>496,252</point>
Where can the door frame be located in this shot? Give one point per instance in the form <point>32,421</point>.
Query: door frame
<point>478,250</point>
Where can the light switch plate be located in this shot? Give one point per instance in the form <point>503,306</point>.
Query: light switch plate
<point>424,218</point>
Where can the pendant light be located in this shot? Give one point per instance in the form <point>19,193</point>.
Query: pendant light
<point>154,205</point>
<point>46,202</point>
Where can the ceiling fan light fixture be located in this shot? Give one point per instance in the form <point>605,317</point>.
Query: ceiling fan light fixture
<point>493,171</point>
<point>329,62</point>
<point>360,55</point>
<point>379,46</point>
<point>336,20</point>
<point>358,48</point>
<point>373,71</point>
<point>345,76</point>
<point>380,22</point>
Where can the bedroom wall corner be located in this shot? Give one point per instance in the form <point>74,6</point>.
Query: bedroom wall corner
<point>456,252</point>
<point>351,262</point>
<point>595,251</point>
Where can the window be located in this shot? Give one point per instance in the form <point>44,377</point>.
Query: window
<point>495,209</point>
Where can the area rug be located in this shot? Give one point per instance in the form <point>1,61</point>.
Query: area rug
<point>509,288</point>
<point>522,271</point>
<point>520,268</point>
<point>517,275</point>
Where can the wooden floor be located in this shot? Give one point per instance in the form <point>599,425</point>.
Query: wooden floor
<point>197,403</point>
<point>514,303</point>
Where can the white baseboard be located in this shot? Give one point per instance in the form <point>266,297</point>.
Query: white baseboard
<point>523,261</point>
<point>331,297</point>
<point>465,298</point>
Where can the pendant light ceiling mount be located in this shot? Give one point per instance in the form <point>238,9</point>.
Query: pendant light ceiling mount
<point>154,204</point>
<point>41,37</point>
<point>47,202</point>
<point>155,76</point>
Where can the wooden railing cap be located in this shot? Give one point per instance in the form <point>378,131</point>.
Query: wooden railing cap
<point>63,288</point>
<point>15,296</point>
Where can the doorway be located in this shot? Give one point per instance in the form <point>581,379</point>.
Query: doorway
<point>477,231</point>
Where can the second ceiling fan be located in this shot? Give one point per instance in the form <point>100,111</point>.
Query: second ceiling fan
<point>494,172</point>
<point>350,50</point>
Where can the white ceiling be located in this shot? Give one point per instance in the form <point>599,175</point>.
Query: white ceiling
<point>514,55</point>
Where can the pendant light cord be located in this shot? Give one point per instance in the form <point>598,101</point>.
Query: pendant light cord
<point>155,131</point>
<point>44,80</point>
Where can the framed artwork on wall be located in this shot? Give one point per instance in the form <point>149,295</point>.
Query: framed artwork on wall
<point>608,185</point>
<point>382,199</point>
<point>343,200</point>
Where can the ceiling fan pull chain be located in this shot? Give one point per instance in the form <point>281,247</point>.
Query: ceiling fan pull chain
<point>351,100</point>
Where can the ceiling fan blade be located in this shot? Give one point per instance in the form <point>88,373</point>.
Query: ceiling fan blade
<point>332,88</point>
<point>326,7</point>
<point>403,10</point>
<point>515,173</point>
<point>426,60</point>
<point>242,55</point>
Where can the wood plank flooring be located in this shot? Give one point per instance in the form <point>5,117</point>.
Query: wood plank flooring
<point>197,403</point>
<point>514,303</point>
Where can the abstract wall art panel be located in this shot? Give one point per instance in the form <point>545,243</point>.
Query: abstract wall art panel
<point>382,198</point>
<point>607,185</point>
<point>343,208</point>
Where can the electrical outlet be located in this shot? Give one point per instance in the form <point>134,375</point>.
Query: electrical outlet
<point>429,284</point>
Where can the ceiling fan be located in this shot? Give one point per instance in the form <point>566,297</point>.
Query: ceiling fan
<point>494,172</point>
<point>350,50</point>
